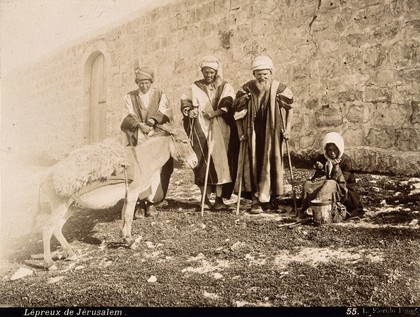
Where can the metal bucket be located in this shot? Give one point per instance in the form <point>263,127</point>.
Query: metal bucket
<point>321,211</point>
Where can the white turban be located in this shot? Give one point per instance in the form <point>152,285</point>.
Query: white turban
<point>210,61</point>
<point>262,62</point>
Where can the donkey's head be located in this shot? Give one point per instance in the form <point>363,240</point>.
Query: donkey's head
<point>180,146</point>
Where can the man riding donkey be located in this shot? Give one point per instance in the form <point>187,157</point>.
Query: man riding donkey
<point>144,108</point>
<point>208,120</point>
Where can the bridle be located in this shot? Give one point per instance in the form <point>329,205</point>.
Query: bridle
<point>174,141</point>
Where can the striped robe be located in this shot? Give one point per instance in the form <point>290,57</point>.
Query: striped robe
<point>263,124</point>
<point>159,110</point>
<point>218,95</point>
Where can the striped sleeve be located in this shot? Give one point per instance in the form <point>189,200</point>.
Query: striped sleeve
<point>285,96</point>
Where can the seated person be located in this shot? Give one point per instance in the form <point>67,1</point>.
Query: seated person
<point>334,178</point>
<point>143,109</point>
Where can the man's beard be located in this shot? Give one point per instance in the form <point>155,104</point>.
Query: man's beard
<point>263,86</point>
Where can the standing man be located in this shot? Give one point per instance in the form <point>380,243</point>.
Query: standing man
<point>264,109</point>
<point>143,109</point>
<point>208,120</point>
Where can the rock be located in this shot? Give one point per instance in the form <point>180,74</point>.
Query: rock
<point>248,256</point>
<point>21,273</point>
<point>414,222</point>
<point>152,279</point>
<point>217,276</point>
<point>210,295</point>
<point>237,246</point>
<point>56,279</point>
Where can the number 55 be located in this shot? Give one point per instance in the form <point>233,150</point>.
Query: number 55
<point>351,311</point>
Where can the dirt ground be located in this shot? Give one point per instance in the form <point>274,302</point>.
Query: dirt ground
<point>183,259</point>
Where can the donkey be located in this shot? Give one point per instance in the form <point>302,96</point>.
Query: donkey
<point>149,157</point>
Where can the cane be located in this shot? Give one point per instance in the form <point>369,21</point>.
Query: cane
<point>209,149</point>
<point>290,163</point>
<point>240,175</point>
<point>291,177</point>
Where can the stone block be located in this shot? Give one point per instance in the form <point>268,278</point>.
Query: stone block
<point>371,15</point>
<point>319,24</point>
<point>221,6</point>
<point>389,115</point>
<point>415,116</point>
<point>404,54</point>
<point>238,4</point>
<point>386,31</point>
<point>412,29</point>
<point>374,56</point>
<point>349,96</point>
<point>333,68</point>
<point>304,11</point>
<point>376,94</point>
<point>380,138</point>
<point>354,136</point>
<point>265,6</point>
<point>300,71</point>
<point>327,116</point>
<point>413,6</point>
<point>328,46</point>
<point>181,18</point>
<point>205,11</point>
<point>411,74</point>
<point>369,3</point>
<point>307,141</point>
<point>352,59</point>
<point>357,114</point>
<point>326,6</point>
<point>385,76</point>
<point>312,103</point>
<point>408,139</point>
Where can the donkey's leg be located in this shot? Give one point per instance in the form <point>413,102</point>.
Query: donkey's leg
<point>128,213</point>
<point>47,232</point>
<point>57,219</point>
<point>58,233</point>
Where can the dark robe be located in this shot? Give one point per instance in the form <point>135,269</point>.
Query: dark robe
<point>346,184</point>
<point>262,156</point>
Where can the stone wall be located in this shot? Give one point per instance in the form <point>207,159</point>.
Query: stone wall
<point>354,68</point>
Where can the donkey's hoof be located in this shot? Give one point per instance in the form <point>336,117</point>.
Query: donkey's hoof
<point>129,243</point>
<point>50,267</point>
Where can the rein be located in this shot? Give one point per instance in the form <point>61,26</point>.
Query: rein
<point>178,153</point>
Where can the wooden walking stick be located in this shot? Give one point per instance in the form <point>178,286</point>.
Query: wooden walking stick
<point>291,178</point>
<point>240,174</point>
<point>290,163</point>
<point>209,149</point>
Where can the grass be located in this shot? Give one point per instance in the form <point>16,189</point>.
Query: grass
<point>225,260</point>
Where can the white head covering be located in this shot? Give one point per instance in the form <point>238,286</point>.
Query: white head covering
<point>335,138</point>
<point>262,62</point>
<point>212,62</point>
